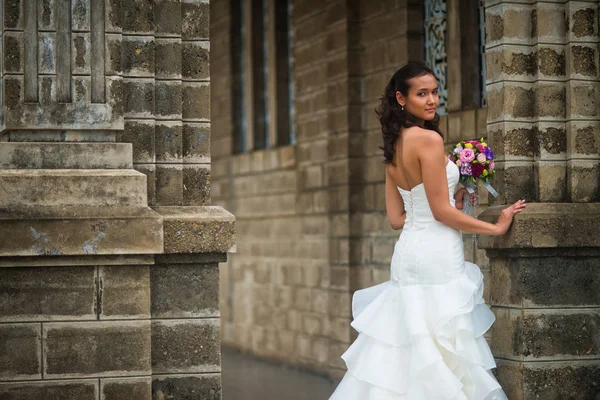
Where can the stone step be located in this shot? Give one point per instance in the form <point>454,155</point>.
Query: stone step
<point>64,155</point>
<point>72,187</point>
<point>56,231</point>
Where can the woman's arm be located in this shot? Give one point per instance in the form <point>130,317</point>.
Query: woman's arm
<point>433,171</point>
<point>394,206</point>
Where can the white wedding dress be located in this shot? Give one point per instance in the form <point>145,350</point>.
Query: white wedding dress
<point>421,332</point>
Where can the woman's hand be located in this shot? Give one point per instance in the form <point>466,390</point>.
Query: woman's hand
<point>506,217</point>
<point>458,198</point>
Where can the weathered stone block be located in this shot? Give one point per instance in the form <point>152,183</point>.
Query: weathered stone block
<point>550,100</point>
<point>14,52</point>
<point>141,135</point>
<point>150,171</point>
<point>20,353</point>
<point>196,142</point>
<point>196,100</point>
<point>167,17</point>
<point>550,141</point>
<point>169,141</point>
<point>138,56</point>
<point>168,97</point>
<point>125,292</point>
<point>514,182</point>
<point>551,61</point>
<point>546,225</point>
<point>13,14</point>
<point>196,60</point>
<point>207,229</point>
<point>113,16</point>
<point>169,184</point>
<point>551,181</point>
<point>552,381</point>
<point>205,386</point>
<point>65,155</point>
<point>84,389</point>
<point>139,97</point>
<point>168,58</point>
<point>583,138</point>
<point>46,15</point>
<point>80,15</point>
<point>551,23</point>
<point>186,346</point>
<point>47,294</point>
<point>126,389</point>
<point>138,16</point>
<point>96,349</point>
<point>196,185</point>
<point>112,55</point>
<point>583,21</point>
<point>46,53</point>
<point>195,20</point>
<point>550,335</point>
<point>583,60</point>
<point>511,100</point>
<point>185,291</point>
<point>60,187</point>
<point>583,99</point>
<point>583,179</point>
<point>81,53</point>
<point>37,231</point>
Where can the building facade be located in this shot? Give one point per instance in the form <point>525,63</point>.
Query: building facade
<point>295,156</point>
<point>109,247</point>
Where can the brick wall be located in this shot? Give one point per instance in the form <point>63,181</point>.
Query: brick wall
<point>311,222</point>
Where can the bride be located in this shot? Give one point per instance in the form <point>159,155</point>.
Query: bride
<point>421,332</point>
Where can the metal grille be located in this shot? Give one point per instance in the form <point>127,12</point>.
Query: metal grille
<point>482,76</point>
<point>435,46</point>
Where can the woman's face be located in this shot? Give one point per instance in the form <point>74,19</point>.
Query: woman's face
<point>422,100</point>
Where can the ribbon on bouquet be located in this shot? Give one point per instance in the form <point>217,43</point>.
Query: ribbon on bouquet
<point>470,206</point>
<point>487,185</point>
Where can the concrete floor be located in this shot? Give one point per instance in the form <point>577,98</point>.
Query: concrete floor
<point>245,378</point>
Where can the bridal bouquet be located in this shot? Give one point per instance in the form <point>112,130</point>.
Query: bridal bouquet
<point>476,162</point>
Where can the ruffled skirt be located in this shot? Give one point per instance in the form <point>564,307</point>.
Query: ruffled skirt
<point>421,342</point>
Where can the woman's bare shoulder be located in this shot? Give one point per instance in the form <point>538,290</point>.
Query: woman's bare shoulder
<point>421,136</point>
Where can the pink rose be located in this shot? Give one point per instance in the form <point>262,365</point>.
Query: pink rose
<point>491,166</point>
<point>481,158</point>
<point>480,147</point>
<point>467,155</point>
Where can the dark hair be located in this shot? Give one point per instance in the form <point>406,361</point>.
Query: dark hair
<point>391,115</point>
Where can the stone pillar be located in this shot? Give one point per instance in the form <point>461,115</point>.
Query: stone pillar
<point>544,125</point>
<point>104,112</point>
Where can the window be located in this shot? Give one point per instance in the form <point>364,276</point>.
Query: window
<point>262,89</point>
<point>435,46</point>
<point>451,51</point>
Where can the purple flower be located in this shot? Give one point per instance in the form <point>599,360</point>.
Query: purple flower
<point>465,169</point>
<point>489,154</point>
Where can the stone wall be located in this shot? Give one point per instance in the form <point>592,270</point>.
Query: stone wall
<point>101,296</point>
<point>311,216</point>
<point>544,121</point>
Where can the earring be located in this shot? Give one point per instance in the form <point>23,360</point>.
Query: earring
<point>401,107</point>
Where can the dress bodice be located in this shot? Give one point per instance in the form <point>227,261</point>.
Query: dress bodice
<point>418,212</point>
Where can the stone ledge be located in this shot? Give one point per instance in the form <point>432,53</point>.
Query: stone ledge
<point>65,155</point>
<point>547,225</point>
<point>197,229</point>
<point>60,231</point>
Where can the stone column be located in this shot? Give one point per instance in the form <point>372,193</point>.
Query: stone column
<point>544,125</point>
<point>104,112</point>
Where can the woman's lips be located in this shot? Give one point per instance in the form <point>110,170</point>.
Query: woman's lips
<point>430,110</point>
